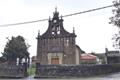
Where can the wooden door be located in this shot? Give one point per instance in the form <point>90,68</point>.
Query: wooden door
<point>55,61</point>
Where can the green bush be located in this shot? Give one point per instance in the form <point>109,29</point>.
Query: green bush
<point>31,70</point>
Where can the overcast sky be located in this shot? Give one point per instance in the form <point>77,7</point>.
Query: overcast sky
<point>93,30</point>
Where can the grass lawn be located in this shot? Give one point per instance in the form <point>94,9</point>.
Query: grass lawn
<point>31,71</point>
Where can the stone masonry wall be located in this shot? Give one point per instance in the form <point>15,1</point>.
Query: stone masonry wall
<point>67,71</point>
<point>12,71</point>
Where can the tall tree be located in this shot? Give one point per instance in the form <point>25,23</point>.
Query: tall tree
<point>16,48</point>
<point>115,20</point>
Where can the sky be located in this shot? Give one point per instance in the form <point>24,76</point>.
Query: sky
<point>93,30</point>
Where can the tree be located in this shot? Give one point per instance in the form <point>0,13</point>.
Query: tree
<point>16,48</point>
<point>115,20</point>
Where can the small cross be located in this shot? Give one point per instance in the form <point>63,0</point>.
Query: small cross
<point>55,9</point>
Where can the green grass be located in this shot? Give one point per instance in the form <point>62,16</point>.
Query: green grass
<point>31,71</point>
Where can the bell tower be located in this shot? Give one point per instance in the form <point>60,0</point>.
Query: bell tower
<point>56,45</point>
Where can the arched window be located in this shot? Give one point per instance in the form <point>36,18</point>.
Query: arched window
<point>58,32</point>
<point>53,33</point>
<point>67,42</point>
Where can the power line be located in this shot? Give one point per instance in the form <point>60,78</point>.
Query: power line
<point>6,25</point>
<point>88,11</point>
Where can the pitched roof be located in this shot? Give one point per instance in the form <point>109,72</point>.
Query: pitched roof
<point>88,57</point>
<point>113,53</point>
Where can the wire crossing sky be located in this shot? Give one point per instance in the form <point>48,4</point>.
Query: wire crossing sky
<point>27,17</point>
<point>21,23</point>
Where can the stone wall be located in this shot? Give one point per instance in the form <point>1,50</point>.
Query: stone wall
<point>68,71</point>
<point>12,71</point>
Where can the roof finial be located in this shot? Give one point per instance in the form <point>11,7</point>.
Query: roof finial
<point>73,29</point>
<point>49,18</point>
<point>38,32</point>
<point>56,9</point>
<point>106,49</point>
<point>61,16</point>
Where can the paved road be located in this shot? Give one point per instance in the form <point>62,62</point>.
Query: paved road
<point>108,77</point>
<point>115,76</point>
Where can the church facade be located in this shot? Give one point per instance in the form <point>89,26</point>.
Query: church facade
<point>56,45</point>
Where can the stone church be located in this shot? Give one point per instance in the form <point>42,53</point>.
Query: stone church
<point>56,45</point>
